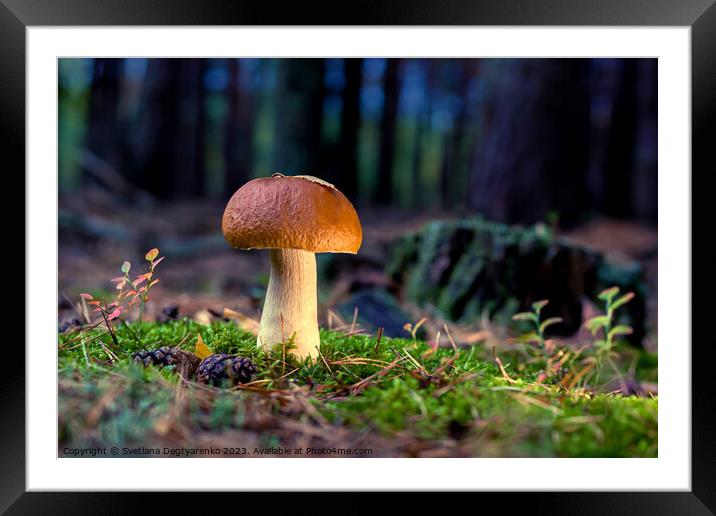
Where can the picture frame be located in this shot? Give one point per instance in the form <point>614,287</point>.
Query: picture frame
<point>17,15</point>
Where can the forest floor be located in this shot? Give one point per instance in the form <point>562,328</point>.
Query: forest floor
<point>364,397</point>
<point>482,392</point>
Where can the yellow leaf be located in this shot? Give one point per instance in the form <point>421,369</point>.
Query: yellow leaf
<point>202,350</point>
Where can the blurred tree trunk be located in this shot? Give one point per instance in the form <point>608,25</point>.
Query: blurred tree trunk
<point>188,148</point>
<point>623,179</point>
<point>384,192</point>
<point>604,79</point>
<point>450,144</point>
<point>299,118</point>
<point>154,161</point>
<point>428,169</point>
<point>620,159</point>
<point>533,155</point>
<point>416,192</point>
<point>102,138</point>
<point>645,192</point>
<point>646,177</point>
<point>169,146</point>
<point>237,144</point>
<point>452,188</point>
<point>422,126</point>
<point>346,179</point>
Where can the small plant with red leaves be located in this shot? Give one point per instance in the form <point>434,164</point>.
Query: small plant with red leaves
<point>130,293</point>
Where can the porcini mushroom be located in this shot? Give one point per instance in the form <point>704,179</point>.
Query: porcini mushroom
<point>294,217</point>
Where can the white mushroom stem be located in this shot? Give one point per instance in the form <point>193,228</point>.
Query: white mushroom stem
<point>291,305</point>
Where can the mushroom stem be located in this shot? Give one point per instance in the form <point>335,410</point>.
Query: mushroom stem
<point>291,304</point>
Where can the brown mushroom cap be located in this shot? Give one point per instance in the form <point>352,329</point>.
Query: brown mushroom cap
<point>292,212</point>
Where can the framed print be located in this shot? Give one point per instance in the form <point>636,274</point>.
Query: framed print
<point>436,248</point>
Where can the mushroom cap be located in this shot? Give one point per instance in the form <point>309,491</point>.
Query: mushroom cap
<point>291,212</point>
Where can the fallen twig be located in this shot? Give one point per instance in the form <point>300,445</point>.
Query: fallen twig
<point>502,368</point>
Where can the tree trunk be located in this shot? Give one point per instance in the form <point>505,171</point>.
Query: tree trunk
<point>420,196</point>
<point>168,148</point>
<point>300,116</point>
<point>102,138</point>
<point>532,157</point>
<point>384,193</point>
<point>237,143</point>
<point>154,172</point>
<point>347,177</point>
<point>619,167</point>
<point>453,177</point>
<point>644,198</point>
<point>190,131</point>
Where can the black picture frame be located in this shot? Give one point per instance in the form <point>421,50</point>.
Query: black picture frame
<point>17,15</point>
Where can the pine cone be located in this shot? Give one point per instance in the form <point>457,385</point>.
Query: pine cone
<point>219,367</point>
<point>186,362</point>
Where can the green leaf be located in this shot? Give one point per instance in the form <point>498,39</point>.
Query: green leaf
<point>622,300</point>
<point>549,322</point>
<point>600,344</point>
<point>595,323</point>
<point>126,266</point>
<point>525,316</point>
<point>531,337</point>
<point>539,305</point>
<point>608,294</point>
<point>620,330</point>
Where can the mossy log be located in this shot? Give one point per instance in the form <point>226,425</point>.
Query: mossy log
<point>464,268</point>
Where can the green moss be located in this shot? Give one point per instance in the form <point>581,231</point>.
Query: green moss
<point>430,397</point>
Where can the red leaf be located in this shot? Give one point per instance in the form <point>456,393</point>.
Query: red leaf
<point>156,262</point>
<point>86,296</point>
<point>151,254</point>
<point>114,314</point>
<point>95,302</point>
<point>154,282</point>
<point>141,278</point>
<point>115,280</point>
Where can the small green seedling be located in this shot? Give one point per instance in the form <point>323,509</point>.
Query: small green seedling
<point>605,323</point>
<point>540,326</point>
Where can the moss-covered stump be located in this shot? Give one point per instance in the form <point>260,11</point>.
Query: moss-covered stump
<point>466,267</point>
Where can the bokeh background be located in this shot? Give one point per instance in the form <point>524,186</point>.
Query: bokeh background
<point>150,150</point>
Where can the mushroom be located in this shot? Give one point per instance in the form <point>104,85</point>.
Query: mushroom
<point>294,217</point>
